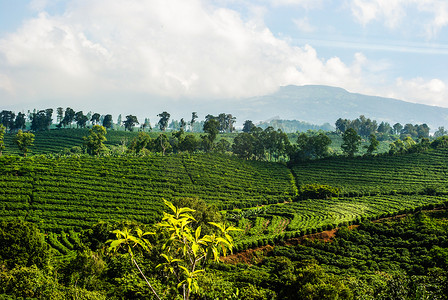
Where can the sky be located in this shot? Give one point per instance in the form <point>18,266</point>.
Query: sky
<point>146,56</point>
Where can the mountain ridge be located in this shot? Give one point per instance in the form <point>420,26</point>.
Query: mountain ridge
<point>319,104</point>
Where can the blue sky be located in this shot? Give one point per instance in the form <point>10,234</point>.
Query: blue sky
<point>156,53</point>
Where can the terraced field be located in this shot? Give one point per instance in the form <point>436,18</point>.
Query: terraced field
<point>56,140</point>
<point>406,174</point>
<point>288,220</point>
<point>76,192</point>
<point>66,194</point>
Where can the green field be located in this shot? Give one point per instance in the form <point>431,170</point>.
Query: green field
<point>408,174</point>
<point>78,191</point>
<point>76,201</point>
<point>75,192</point>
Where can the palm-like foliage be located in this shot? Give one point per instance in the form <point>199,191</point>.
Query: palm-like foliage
<point>184,251</point>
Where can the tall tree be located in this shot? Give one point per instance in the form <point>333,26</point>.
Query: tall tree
<point>7,119</point>
<point>243,145</point>
<point>162,144</point>
<point>2,135</point>
<point>41,120</point>
<point>230,121</point>
<point>69,116</point>
<point>342,125</point>
<point>163,122</point>
<point>107,121</point>
<point>211,128</point>
<point>385,128</point>
<point>247,126</point>
<point>24,140</point>
<point>422,131</point>
<point>119,120</point>
<point>440,132</point>
<point>194,116</point>
<point>130,122</point>
<point>397,128</point>
<point>182,124</point>
<point>20,121</point>
<point>81,119</point>
<point>59,115</point>
<point>95,119</point>
<point>351,142</point>
<point>373,144</point>
<point>312,146</point>
<point>95,140</point>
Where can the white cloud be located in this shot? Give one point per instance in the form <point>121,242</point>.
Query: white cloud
<point>308,4</point>
<point>104,49</point>
<point>391,11</point>
<point>168,48</point>
<point>304,25</point>
<point>432,91</point>
<point>396,13</point>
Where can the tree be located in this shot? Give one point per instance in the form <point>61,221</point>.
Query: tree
<point>20,121</point>
<point>194,116</point>
<point>373,144</point>
<point>22,245</point>
<point>312,147</point>
<point>81,119</point>
<point>59,115</point>
<point>7,119</point>
<point>385,128</point>
<point>247,126</point>
<point>119,120</point>
<point>243,145</point>
<point>422,131</point>
<point>68,117</point>
<point>24,140</point>
<point>107,121</point>
<point>230,120</point>
<point>351,142</point>
<point>162,144</point>
<point>366,126</point>
<point>95,140</point>
<point>185,251</point>
<point>440,132</point>
<point>95,118</point>
<point>222,146</point>
<point>41,120</point>
<point>408,143</point>
<point>142,141</point>
<point>163,122</point>
<point>189,143</point>
<point>182,124</point>
<point>342,125</point>
<point>2,135</point>
<point>408,130</point>
<point>397,128</point>
<point>130,122</point>
<point>211,128</point>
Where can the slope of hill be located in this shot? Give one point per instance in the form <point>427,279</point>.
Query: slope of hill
<point>323,104</point>
<point>76,192</point>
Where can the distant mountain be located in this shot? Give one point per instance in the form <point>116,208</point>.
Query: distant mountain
<point>318,104</point>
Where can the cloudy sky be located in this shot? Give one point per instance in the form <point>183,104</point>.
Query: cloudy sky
<point>142,56</point>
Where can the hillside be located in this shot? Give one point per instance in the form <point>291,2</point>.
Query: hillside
<point>323,104</point>
<point>78,191</point>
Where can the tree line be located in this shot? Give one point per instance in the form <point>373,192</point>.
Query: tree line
<point>365,127</point>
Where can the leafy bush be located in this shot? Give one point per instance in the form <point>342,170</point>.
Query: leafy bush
<point>317,191</point>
